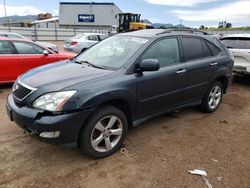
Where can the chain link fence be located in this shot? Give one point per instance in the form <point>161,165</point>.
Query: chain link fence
<point>53,34</point>
<point>59,34</point>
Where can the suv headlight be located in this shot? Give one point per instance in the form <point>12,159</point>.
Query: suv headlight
<point>53,101</point>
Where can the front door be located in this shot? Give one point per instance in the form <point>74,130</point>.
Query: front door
<point>32,55</point>
<point>165,88</point>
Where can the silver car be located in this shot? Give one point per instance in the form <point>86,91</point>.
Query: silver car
<point>18,36</point>
<point>83,41</point>
<point>239,45</point>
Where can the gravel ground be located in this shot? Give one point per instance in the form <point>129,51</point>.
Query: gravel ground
<point>159,152</point>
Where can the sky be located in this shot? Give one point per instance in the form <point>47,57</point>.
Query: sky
<point>193,13</point>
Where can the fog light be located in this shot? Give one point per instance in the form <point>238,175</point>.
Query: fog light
<point>50,134</point>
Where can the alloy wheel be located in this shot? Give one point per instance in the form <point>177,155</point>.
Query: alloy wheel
<point>215,97</point>
<point>106,133</point>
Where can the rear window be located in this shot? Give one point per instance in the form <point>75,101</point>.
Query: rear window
<point>5,47</point>
<point>93,37</point>
<point>214,49</point>
<point>207,51</point>
<point>239,43</point>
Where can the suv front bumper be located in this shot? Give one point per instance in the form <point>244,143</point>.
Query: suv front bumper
<point>36,122</point>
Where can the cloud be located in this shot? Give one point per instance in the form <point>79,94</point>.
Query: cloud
<point>237,12</point>
<point>55,12</point>
<point>20,10</point>
<point>180,2</point>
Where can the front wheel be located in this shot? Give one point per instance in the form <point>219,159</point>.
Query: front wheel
<point>104,133</point>
<point>213,97</point>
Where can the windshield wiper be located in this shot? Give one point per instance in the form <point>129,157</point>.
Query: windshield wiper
<point>87,62</point>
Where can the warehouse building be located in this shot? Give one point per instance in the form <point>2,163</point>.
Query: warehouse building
<point>88,15</point>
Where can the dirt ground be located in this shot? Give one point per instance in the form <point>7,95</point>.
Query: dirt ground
<point>161,151</point>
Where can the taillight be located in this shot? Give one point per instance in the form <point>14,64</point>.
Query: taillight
<point>73,43</point>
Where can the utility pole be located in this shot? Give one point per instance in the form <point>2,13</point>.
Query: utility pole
<point>5,14</point>
<point>180,22</point>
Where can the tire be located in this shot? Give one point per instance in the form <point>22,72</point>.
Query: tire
<point>104,132</point>
<point>212,99</point>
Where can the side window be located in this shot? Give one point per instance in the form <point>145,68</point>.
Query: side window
<point>5,47</point>
<point>207,51</point>
<point>192,48</point>
<point>165,51</point>
<point>102,37</point>
<point>13,36</point>
<point>93,37</point>
<point>214,49</point>
<point>28,48</point>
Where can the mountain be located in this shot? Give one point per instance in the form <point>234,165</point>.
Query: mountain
<point>147,21</point>
<point>158,25</point>
<point>14,19</point>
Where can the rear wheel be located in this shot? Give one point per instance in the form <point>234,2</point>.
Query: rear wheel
<point>104,133</point>
<point>213,97</point>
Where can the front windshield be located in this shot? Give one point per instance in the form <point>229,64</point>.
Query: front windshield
<point>113,52</point>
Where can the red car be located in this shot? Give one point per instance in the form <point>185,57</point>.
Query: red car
<point>18,56</point>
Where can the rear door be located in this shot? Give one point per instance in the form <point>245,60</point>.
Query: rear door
<point>201,65</point>
<point>32,55</point>
<point>9,63</point>
<point>165,88</point>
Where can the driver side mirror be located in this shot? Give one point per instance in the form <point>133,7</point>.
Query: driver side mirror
<point>46,52</point>
<point>149,65</point>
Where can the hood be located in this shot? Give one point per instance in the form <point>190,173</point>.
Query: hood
<point>60,75</point>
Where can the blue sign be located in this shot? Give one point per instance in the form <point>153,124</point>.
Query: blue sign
<point>86,18</point>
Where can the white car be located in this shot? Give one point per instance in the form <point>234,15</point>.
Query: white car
<point>18,36</point>
<point>239,45</point>
<point>83,41</point>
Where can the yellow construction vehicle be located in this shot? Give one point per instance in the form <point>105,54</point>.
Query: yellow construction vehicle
<point>130,22</point>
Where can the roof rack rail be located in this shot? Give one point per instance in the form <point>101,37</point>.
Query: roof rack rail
<point>182,30</point>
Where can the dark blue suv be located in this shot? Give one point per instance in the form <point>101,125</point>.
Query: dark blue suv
<point>92,99</point>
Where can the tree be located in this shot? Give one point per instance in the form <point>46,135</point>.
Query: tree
<point>221,25</point>
<point>162,27</point>
<point>202,27</point>
<point>224,24</point>
<point>228,25</point>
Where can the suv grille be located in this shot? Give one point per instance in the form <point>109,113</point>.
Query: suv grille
<point>20,91</point>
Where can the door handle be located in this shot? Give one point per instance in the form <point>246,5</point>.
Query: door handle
<point>181,71</point>
<point>213,64</point>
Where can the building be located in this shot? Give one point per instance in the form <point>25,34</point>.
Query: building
<point>47,23</point>
<point>88,15</point>
<point>44,16</point>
